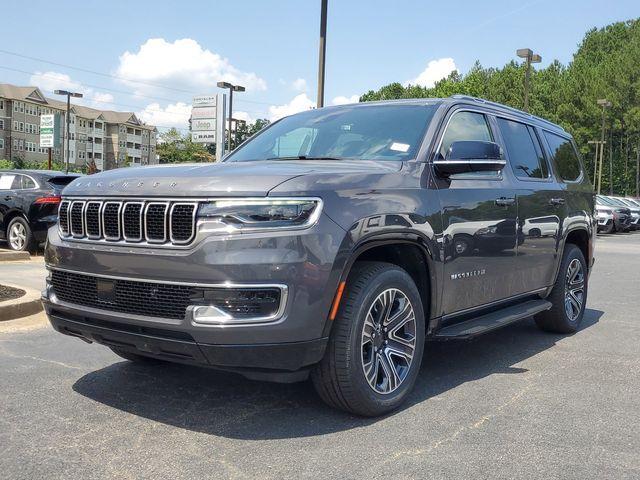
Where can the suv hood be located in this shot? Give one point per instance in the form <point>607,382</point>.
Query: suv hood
<point>214,179</point>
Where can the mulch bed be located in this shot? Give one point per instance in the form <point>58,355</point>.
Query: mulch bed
<point>9,293</point>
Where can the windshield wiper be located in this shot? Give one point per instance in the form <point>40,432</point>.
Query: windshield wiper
<point>305,157</point>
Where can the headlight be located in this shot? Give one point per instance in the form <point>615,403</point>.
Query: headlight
<point>487,230</point>
<point>242,215</point>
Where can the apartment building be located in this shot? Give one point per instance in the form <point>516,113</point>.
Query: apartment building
<point>106,138</point>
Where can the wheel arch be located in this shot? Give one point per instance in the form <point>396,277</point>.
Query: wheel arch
<point>407,252</point>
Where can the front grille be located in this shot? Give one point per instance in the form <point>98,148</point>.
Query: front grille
<point>135,221</point>
<point>161,299</point>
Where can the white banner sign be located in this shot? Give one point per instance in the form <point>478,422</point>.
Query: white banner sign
<point>203,112</point>
<point>49,129</point>
<point>204,101</point>
<point>208,136</point>
<point>203,124</point>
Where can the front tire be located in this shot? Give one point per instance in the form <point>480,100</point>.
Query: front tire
<point>376,343</point>
<point>568,296</point>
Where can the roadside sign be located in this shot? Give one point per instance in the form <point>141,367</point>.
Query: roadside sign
<point>49,131</point>
<point>208,120</point>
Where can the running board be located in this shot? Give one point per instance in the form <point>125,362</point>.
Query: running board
<point>491,321</point>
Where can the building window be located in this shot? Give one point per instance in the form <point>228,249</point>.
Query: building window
<point>98,126</point>
<point>21,106</point>
<point>1,124</point>
<point>21,128</point>
<point>20,144</point>
<point>1,104</point>
<point>1,143</point>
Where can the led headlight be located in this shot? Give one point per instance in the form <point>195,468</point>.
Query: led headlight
<point>245,214</point>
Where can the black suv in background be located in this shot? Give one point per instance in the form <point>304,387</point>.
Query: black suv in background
<point>334,243</point>
<point>29,201</point>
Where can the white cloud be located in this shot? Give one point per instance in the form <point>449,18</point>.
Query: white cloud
<point>299,84</point>
<point>342,100</point>
<point>181,64</point>
<point>50,81</point>
<point>436,70</point>
<point>173,115</point>
<point>299,103</point>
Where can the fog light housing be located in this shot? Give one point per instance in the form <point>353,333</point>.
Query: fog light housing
<point>238,304</point>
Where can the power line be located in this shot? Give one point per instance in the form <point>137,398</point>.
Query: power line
<point>108,75</point>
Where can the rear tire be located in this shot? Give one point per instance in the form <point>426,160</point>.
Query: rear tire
<point>133,357</point>
<point>375,348</point>
<point>19,235</point>
<point>568,296</point>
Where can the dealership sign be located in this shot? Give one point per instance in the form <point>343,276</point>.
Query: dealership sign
<point>208,120</point>
<point>49,131</point>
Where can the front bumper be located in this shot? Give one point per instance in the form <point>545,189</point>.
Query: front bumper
<point>284,362</point>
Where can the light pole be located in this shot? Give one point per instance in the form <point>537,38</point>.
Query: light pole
<point>604,103</point>
<point>530,58</point>
<point>232,88</point>
<point>323,51</point>
<point>69,95</point>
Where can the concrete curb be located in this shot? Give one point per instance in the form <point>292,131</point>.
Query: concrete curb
<point>26,305</point>
<point>11,256</point>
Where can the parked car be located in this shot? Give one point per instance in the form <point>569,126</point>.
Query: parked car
<point>29,201</point>
<point>633,208</point>
<point>621,213</point>
<point>606,218</point>
<point>325,246</point>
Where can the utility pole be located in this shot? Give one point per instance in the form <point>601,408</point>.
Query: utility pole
<point>530,58</point>
<point>596,158</point>
<point>69,95</point>
<point>232,88</point>
<point>323,51</point>
<point>638,168</point>
<point>604,103</point>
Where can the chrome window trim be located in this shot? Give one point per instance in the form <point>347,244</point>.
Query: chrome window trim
<point>104,206</point>
<point>100,204</point>
<point>146,209</point>
<point>70,217</point>
<point>193,222</point>
<point>249,321</point>
<point>140,222</point>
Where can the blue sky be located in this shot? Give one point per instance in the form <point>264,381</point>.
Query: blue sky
<point>153,56</point>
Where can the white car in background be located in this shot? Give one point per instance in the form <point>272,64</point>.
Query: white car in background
<point>605,217</point>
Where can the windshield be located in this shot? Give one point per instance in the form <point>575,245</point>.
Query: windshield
<point>372,132</point>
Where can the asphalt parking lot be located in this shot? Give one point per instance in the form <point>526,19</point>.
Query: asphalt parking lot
<point>516,403</point>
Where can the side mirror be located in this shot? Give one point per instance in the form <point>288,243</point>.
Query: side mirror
<point>471,156</point>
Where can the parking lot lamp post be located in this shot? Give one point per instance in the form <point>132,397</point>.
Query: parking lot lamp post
<point>604,103</point>
<point>322,52</point>
<point>69,95</point>
<point>232,88</point>
<point>530,58</point>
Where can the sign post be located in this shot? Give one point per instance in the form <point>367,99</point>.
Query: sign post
<point>207,121</point>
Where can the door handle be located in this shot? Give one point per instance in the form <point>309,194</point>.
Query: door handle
<point>505,202</point>
<point>556,201</point>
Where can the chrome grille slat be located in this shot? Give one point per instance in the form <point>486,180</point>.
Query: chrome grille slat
<point>128,221</point>
<point>76,218</point>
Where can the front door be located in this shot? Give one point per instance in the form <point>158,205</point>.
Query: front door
<point>480,224</point>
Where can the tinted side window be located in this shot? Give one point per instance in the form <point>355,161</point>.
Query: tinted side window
<point>17,183</point>
<point>523,149</point>
<point>27,182</point>
<point>465,126</point>
<point>564,156</point>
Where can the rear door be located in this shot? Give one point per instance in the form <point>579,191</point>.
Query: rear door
<point>541,204</point>
<point>7,198</point>
<point>479,219</point>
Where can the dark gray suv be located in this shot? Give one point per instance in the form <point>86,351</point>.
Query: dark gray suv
<point>333,244</point>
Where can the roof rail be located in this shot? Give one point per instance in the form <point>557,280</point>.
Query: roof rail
<point>458,96</point>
